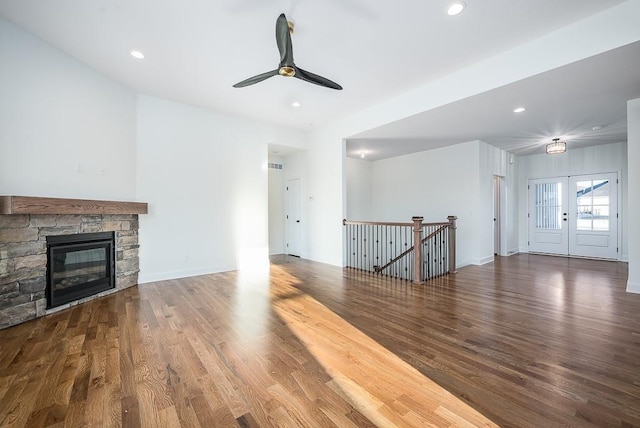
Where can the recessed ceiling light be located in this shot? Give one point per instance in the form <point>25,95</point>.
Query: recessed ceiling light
<point>595,128</point>
<point>137,54</point>
<point>519,110</point>
<point>295,104</point>
<point>456,8</point>
<point>362,155</point>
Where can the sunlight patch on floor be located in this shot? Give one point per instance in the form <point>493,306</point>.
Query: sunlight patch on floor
<point>399,395</point>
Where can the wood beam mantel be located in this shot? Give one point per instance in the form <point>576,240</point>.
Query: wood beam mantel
<point>38,205</point>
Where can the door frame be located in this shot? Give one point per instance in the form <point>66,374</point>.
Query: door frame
<point>500,214</point>
<point>617,218</point>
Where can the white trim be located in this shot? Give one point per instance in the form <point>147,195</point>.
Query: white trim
<point>633,287</point>
<point>485,260</point>
<point>162,276</point>
<point>619,215</point>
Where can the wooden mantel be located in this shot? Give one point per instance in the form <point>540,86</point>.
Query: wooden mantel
<point>38,205</point>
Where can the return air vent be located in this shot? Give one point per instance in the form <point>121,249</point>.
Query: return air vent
<point>275,165</point>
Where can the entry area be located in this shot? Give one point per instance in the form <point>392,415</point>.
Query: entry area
<point>575,215</point>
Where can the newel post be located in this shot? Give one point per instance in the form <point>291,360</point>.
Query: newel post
<point>452,243</point>
<point>417,249</point>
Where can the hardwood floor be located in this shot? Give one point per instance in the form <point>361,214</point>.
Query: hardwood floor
<point>525,341</point>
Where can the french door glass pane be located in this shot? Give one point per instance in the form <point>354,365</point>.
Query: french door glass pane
<point>593,205</point>
<point>549,206</point>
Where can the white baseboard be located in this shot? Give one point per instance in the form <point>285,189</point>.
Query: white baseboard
<point>144,278</point>
<point>633,287</point>
<point>484,260</point>
<point>513,251</point>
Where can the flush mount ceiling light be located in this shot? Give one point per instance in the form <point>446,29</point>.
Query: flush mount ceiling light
<point>456,7</point>
<point>137,54</point>
<point>556,147</point>
<point>519,110</point>
<point>295,104</point>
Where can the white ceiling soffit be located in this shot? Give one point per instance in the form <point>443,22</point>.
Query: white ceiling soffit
<point>568,102</point>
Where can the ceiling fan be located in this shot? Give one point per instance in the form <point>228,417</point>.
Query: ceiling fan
<point>287,67</point>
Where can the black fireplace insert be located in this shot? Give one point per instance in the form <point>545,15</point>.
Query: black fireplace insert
<point>79,266</point>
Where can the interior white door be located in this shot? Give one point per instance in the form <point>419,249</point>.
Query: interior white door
<point>548,215</point>
<point>293,217</point>
<point>593,226</point>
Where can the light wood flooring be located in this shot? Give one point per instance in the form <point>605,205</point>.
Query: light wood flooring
<point>526,341</point>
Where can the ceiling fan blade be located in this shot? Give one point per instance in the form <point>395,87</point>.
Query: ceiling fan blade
<point>283,39</point>
<point>307,76</point>
<point>256,79</point>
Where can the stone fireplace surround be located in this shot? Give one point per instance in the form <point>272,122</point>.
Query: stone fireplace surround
<point>25,222</point>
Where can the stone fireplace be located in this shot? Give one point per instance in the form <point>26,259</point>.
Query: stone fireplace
<point>25,225</point>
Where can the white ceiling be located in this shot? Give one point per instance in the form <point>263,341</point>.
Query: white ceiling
<point>567,103</point>
<point>196,50</point>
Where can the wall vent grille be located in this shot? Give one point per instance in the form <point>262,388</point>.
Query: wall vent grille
<point>275,165</point>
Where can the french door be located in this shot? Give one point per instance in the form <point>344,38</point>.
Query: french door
<point>575,215</point>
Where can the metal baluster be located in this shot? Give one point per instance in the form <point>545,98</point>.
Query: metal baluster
<point>349,251</point>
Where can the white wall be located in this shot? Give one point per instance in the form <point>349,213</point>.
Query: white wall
<point>205,178</point>
<point>65,130</point>
<point>456,180</point>
<point>359,192</point>
<point>633,200</point>
<point>588,160</point>
<point>432,184</point>
<point>203,174</point>
<point>324,190</point>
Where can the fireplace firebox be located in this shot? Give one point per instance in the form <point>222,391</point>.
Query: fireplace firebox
<point>79,266</point>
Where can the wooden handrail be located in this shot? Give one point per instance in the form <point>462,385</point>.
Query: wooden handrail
<point>386,223</point>
<point>374,223</point>
<point>395,259</point>
<point>438,230</point>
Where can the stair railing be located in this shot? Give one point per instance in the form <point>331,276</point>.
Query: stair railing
<point>389,248</point>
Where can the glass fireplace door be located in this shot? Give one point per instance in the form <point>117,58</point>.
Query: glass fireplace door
<point>79,266</point>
